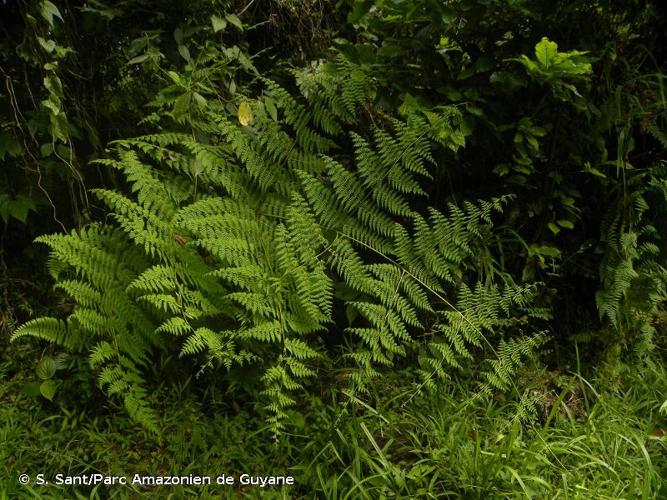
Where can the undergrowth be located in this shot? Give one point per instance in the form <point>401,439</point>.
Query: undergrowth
<point>394,249</point>
<point>557,435</point>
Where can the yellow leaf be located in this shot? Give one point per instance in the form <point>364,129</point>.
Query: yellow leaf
<point>245,114</point>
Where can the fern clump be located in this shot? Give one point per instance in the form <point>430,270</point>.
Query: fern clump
<point>634,272</point>
<point>238,240</point>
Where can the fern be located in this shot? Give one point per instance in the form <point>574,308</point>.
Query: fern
<point>481,314</point>
<point>633,271</point>
<point>230,246</point>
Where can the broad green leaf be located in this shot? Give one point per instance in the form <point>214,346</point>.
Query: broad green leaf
<point>52,104</point>
<point>182,106</point>
<point>46,368</point>
<point>9,146</point>
<point>137,45</point>
<point>532,142</point>
<point>218,23</point>
<point>547,250</point>
<point>46,149</point>
<point>48,11</point>
<point>565,223</point>
<point>589,169</point>
<point>185,53</point>
<point>17,207</point>
<point>54,85</point>
<point>568,201</point>
<point>22,205</point>
<point>234,19</point>
<point>48,389</point>
<point>101,9</point>
<point>138,59</point>
<point>360,9</point>
<point>546,52</point>
<point>59,126</point>
<point>48,45</point>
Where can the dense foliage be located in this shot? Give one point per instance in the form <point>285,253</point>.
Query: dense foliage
<point>265,207</point>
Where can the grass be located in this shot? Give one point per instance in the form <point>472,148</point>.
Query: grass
<point>558,435</point>
<point>562,437</point>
